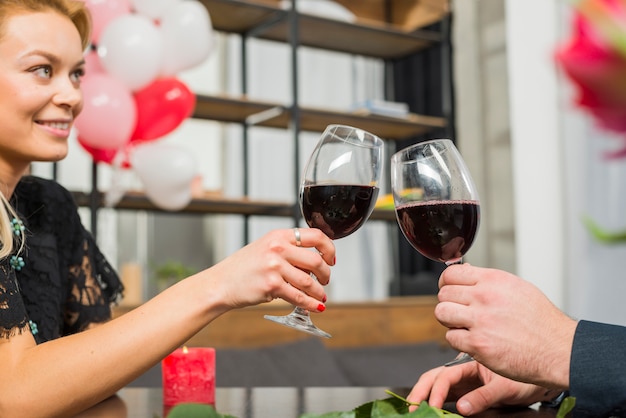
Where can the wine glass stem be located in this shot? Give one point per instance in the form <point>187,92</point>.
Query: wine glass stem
<point>462,357</point>
<point>299,311</point>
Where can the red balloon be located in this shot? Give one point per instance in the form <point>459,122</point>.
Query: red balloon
<point>103,155</point>
<point>98,155</point>
<point>161,107</point>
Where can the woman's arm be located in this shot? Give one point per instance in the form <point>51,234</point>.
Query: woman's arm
<point>65,376</point>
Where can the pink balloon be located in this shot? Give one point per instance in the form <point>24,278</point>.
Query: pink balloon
<point>109,115</point>
<point>104,11</point>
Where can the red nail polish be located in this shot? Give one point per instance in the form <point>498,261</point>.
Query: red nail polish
<point>334,260</point>
<point>321,308</point>
<point>324,299</point>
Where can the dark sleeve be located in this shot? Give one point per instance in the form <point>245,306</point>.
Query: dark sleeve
<point>93,284</point>
<point>598,370</point>
<point>13,316</point>
<point>94,287</point>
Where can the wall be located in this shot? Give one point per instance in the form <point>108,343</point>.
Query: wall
<point>508,125</point>
<point>483,124</point>
<point>560,173</point>
<point>537,144</point>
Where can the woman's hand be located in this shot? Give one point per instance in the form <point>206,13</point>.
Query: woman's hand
<point>506,324</point>
<point>475,389</point>
<point>276,266</point>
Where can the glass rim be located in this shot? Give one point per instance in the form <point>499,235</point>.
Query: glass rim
<point>405,150</point>
<point>375,143</point>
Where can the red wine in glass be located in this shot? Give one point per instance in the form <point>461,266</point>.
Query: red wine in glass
<point>337,210</point>
<point>440,230</point>
<point>338,192</point>
<point>437,206</point>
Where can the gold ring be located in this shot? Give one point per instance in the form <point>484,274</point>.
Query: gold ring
<point>296,232</point>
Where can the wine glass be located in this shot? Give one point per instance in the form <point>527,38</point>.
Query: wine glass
<point>338,192</point>
<point>436,202</point>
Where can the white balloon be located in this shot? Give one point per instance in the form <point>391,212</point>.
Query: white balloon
<point>187,37</point>
<point>154,9</point>
<point>166,172</point>
<point>171,200</point>
<point>130,50</point>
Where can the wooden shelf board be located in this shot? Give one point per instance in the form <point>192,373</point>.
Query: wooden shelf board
<point>373,39</point>
<point>213,205</point>
<point>228,109</point>
<point>239,16</point>
<point>139,201</point>
<point>386,127</point>
<point>379,41</point>
<point>315,120</point>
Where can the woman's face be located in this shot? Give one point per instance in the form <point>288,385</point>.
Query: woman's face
<point>41,63</point>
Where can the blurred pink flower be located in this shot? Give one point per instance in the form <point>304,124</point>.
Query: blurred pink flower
<point>594,58</point>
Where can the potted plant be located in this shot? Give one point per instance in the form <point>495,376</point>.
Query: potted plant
<point>171,272</point>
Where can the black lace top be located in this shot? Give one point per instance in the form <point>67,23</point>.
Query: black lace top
<point>64,283</point>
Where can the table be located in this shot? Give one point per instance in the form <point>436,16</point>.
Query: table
<point>274,402</point>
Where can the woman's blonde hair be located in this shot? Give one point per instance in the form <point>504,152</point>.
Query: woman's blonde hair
<point>77,12</point>
<point>8,238</point>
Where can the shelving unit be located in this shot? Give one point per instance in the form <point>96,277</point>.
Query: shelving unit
<point>371,36</point>
<point>226,109</point>
<point>247,207</point>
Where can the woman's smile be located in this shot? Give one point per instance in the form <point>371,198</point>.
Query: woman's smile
<point>57,127</point>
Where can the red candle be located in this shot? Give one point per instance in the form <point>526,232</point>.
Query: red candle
<point>189,376</point>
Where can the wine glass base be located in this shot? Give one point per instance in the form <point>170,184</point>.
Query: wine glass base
<point>460,359</point>
<point>299,322</point>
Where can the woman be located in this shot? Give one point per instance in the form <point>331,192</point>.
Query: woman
<point>55,285</point>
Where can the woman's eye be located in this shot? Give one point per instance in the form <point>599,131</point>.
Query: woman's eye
<point>77,75</point>
<point>44,71</point>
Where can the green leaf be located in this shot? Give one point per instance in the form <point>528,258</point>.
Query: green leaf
<point>195,410</point>
<point>566,407</point>
<point>350,414</point>
<point>603,235</point>
<point>427,411</point>
<point>394,407</point>
<point>404,400</point>
<point>389,407</point>
<point>424,410</point>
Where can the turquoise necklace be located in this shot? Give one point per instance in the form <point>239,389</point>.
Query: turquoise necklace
<point>17,262</point>
<point>17,225</point>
